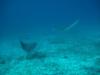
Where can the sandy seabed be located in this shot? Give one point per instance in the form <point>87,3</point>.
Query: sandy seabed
<point>55,56</point>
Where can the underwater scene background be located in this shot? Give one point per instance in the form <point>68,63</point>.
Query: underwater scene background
<point>49,37</point>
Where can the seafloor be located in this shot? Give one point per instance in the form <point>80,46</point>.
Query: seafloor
<point>53,55</point>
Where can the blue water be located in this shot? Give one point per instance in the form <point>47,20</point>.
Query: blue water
<point>19,15</point>
<point>65,25</point>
